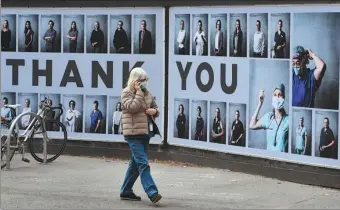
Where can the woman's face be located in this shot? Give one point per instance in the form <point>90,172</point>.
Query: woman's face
<point>143,78</point>
<point>73,25</point>
<point>217,112</point>
<point>5,25</point>
<point>181,109</point>
<point>199,27</point>
<point>237,25</point>
<point>28,25</point>
<point>118,106</point>
<point>96,25</point>
<point>278,93</point>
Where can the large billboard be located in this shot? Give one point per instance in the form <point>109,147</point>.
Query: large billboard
<point>257,81</point>
<point>81,58</point>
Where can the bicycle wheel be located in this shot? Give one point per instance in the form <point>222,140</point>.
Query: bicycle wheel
<point>4,132</point>
<point>56,141</point>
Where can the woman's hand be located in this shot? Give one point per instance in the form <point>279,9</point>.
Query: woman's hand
<point>150,112</point>
<point>137,85</point>
<point>261,97</point>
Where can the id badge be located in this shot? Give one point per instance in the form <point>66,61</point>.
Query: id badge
<point>151,126</point>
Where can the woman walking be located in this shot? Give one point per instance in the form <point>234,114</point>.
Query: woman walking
<point>139,111</point>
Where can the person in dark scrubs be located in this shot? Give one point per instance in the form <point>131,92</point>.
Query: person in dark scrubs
<point>237,40</point>
<point>306,81</point>
<point>217,128</point>
<point>120,40</point>
<point>279,41</point>
<point>327,141</point>
<point>97,39</point>
<point>72,36</point>
<point>28,37</point>
<point>181,122</point>
<point>50,37</point>
<point>199,125</point>
<point>96,118</point>
<point>6,37</point>
<point>237,131</point>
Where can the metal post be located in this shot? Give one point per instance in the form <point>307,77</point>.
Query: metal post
<point>13,125</point>
<point>45,143</point>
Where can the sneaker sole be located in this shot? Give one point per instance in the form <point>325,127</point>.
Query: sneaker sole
<point>158,198</point>
<point>130,199</point>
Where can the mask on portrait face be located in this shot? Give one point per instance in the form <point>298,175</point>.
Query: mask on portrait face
<point>297,71</point>
<point>277,103</point>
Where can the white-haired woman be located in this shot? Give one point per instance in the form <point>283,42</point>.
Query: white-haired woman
<point>139,110</point>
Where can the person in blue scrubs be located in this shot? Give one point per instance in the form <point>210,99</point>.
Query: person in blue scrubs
<point>6,113</point>
<point>275,122</point>
<point>306,81</point>
<point>96,118</point>
<point>301,138</point>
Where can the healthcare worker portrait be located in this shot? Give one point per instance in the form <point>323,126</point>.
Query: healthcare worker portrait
<point>275,122</point>
<point>306,81</point>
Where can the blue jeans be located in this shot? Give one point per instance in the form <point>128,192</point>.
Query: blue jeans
<point>139,165</point>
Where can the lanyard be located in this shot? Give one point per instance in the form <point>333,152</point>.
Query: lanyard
<point>277,129</point>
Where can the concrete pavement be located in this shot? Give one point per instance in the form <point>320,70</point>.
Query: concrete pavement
<point>85,183</point>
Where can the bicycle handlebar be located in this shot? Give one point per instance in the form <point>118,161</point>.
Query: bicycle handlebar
<point>45,103</point>
<point>59,108</point>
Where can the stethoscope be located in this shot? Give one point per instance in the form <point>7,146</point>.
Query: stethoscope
<point>277,129</point>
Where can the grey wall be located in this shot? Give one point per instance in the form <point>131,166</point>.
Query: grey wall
<point>126,26</point>
<point>79,106</point>
<point>90,21</point>
<point>223,109</point>
<point>194,25</point>
<point>44,19</point>
<point>113,100</point>
<point>21,28</point>
<point>260,71</point>
<point>263,17</point>
<point>307,115</point>
<point>333,124</point>
<point>325,28</point>
<point>232,22</point>
<point>185,103</point>
<point>12,22</point>
<point>150,26</point>
<point>89,108</point>
<point>224,26</point>
<point>285,17</point>
<point>243,118</point>
<point>79,19</point>
<point>193,117</point>
<point>186,19</point>
<point>10,96</point>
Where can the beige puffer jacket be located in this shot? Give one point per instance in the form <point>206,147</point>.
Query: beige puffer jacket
<point>134,119</point>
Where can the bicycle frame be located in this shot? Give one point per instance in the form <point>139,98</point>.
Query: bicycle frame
<point>37,118</point>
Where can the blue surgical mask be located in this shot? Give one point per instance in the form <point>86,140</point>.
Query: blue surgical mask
<point>297,71</point>
<point>278,103</point>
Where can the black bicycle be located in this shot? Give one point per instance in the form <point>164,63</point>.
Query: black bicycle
<point>33,133</point>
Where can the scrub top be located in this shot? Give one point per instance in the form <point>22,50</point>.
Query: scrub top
<point>301,134</point>
<point>280,130</point>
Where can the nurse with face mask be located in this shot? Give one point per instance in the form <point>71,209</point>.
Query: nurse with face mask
<point>275,122</point>
<point>306,81</point>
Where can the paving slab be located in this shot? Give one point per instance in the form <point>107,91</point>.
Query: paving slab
<point>94,183</point>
